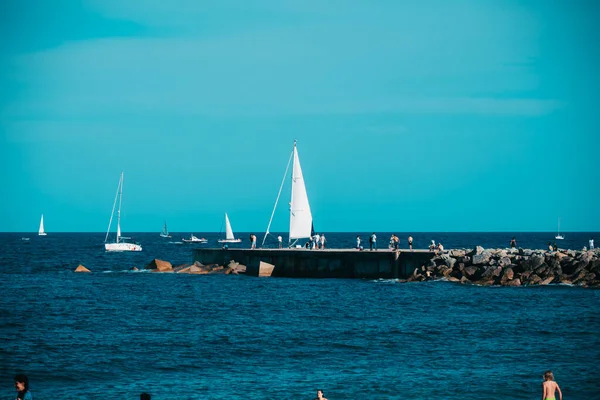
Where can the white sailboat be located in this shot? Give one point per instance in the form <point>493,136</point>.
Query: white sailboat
<point>301,220</point>
<point>229,238</point>
<point>165,232</point>
<point>121,243</point>
<point>41,231</point>
<point>558,235</point>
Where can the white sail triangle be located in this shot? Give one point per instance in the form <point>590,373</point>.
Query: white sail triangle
<point>228,230</point>
<point>41,231</point>
<point>300,215</point>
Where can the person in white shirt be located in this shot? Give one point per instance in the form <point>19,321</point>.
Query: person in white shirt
<point>592,244</point>
<point>358,242</point>
<point>323,241</point>
<point>279,240</point>
<point>316,241</point>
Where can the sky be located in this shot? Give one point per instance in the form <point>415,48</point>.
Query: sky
<point>410,116</point>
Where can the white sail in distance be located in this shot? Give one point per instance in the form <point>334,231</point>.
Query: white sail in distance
<point>41,231</point>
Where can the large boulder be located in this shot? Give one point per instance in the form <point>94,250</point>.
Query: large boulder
<point>160,265</point>
<point>514,282</point>
<point>481,258</point>
<point>536,260</point>
<point>81,268</point>
<point>507,274</point>
<point>458,253</point>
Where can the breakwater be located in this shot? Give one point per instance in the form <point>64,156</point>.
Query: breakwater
<point>330,263</point>
<point>505,267</point>
<point>513,267</point>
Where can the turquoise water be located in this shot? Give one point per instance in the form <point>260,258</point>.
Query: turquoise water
<point>114,334</point>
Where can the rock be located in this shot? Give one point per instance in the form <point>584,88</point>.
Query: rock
<point>536,260</point>
<point>547,280</point>
<point>507,274</point>
<point>134,269</point>
<point>471,272</point>
<point>525,275</point>
<point>514,282</point>
<point>453,279</point>
<point>541,270</point>
<point>465,280</point>
<point>194,269</point>
<point>160,265</point>
<point>477,251</point>
<point>492,272</point>
<point>501,253</point>
<point>481,258</point>
<point>450,262</point>
<point>458,253</point>
<point>81,268</point>
<point>534,279</point>
<point>504,261</point>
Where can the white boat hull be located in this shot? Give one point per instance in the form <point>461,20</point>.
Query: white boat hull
<point>122,247</point>
<point>230,240</point>
<point>42,234</point>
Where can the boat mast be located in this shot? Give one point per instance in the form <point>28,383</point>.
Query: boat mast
<point>119,212</point>
<point>112,213</point>
<point>278,195</point>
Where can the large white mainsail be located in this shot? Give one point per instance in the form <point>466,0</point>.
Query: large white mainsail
<point>228,230</point>
<point>41,231</point>
<point>300,215</point>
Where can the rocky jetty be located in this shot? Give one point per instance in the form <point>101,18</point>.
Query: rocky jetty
<point>513,267</point>
<point>233,268</point>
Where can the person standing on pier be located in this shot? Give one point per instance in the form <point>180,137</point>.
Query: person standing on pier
<point>316,241</point>
<point>373,242</point>
<point>323,241</point>
<point>396,242</point>
<point>410,240</point>
<point>253,241</point>
<point>358,242</point>
<point>591,243</point>
<point>513,243</point>
<point>280,241</point>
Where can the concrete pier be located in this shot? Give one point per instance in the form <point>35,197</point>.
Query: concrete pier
<point>329,263</point>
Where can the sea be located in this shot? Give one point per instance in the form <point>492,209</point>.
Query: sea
<point>115,333</point>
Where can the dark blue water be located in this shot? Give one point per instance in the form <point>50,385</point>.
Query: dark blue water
<point>114,334</point>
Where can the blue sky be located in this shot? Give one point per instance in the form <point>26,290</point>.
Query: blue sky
<point>410,116</point>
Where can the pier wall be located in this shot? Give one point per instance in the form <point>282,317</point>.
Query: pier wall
<point>330,263</point>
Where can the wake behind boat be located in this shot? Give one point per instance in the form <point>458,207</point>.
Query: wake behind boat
<point>121,243</point>
<point>194,239</point>
<point>229,238</point>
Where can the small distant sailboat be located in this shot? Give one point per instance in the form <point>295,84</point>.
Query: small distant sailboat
<point>120,243</point>
<point>194,239</point>
<point>301,221</point>
<point>558,235</point>
<point>41,231</point>
<point>229,238</point>
<point>165,232</point>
